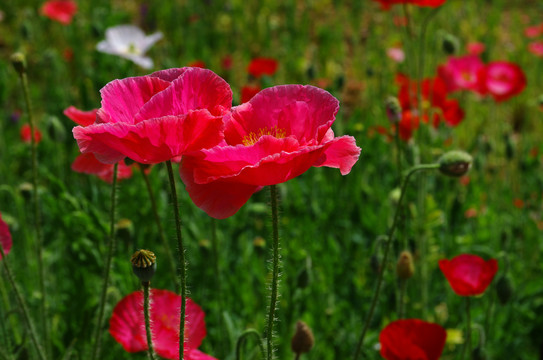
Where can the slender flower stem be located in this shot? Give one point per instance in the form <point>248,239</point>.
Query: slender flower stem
<point>243,336</point>
<point>182,264</point>
<point>23,307</point>
<point>107,270</point>
<point>403,288</point>
<point>36,206</point>
<point>275,273</point>
<point>167,248</point>
<point>467,345</point>
<point>387,249</point>
<point>151,351</point>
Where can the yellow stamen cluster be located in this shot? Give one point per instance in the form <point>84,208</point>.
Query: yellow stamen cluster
<point>253,137</point>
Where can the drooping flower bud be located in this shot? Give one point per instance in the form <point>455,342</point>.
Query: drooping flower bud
<point>144,264</point>
<point>405,267</point>
<point>450,44</point>
<point>19,62</point>
<point>393,109</point>
<point>303,339</point>
<point>455,163</point>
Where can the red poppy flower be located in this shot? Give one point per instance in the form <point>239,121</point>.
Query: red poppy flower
<point>25,134</point>
<point>536,48</point>
<point>60,10</point>
<point>278,135</point>
<point>475,48</point>
<point>157,117</point>
<point>533,31</point>
<point>248,91</point>
<point>412,339</point>
<point>127,325</point>
<point>502,80</point>
<point>386,4</point>
<point>468,274</point>
<point>226,62</point>
<point>262,66</point>
<point>461,73</point>
<point>5,237</point>
<point>198,63</point>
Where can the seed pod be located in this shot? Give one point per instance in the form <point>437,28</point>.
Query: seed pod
<point>144,264</point>
<point>19,62</point>
<point>303,339</point>
<point>455,163</point>
<point>405,267</point>
<point>504,289</point>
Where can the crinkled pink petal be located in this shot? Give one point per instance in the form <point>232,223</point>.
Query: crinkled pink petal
<point>306,112</point>
<point>122,99</point>
<point>169,74</point>
<point>341,153</point>
<point>195,354</point>
<point>83,118</point>
<point>194,89</point>
<point>151,141</point>
<point>5,237</point>
<point>127,324</point>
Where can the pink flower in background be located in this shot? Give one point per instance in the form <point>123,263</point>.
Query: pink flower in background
<point>262,66</point>
<point>278,135</point>
<point>25,134</point>
<point>158,117</point>
<point>502,80</point>
<point>467,274</point>
<point>5,237</point>
<point>461,73</point>
<point>536,48</point>
<point>476,48</point>
<point>60,10</point>
<point>534,31</point>
<point>127,325</point>
<point>396,53</point>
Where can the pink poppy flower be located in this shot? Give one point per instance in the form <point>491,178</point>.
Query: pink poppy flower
<point>262,66</point>
<point>461,73</point>
<point>536,48</point>
<point>533,31</point>
<point>5,237</point>
<point>475,48</point>
<point>502,80</point>
<point>396,53</point>
<point>25,134</point>
<point>412,339</point>
<point>278,135</point>
<point>60,10</point>
<point>467,274</point>
<point>127,325</point>
<point>154,118</point>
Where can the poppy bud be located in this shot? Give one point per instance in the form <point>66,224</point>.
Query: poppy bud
<point>26,189</point>
<point>303,339</point>
<point>504,289</point>
<point>144,264</point>
<point>19,62</point>
<point>124,229</point>
<point>393,109</point>
<point>450,44</point>
<point>405,267</point>
<point>455,163</point>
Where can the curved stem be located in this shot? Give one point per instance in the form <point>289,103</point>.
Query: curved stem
<point>242,337</point>
<point>107,270</point>
<point>182,264</point>
<point>167,248</point>
<point>390,234</point>
<point>275,273</point>
<point>24,309</point>
<point>150,352</point>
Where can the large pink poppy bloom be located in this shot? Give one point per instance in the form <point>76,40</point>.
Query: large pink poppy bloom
<point>278,135</point>
<point>412,339</point>
<point>154,118</point>
<point>461,73</point>
<point>467,274</point>
<point>127,325</point>
<point>502,80</point>
<point>5,237</point>
<point>60,10</point>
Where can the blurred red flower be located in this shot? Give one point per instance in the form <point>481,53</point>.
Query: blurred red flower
<point>25,134</point>
<point>386,4</point>
<point>536,48</point>
<point>467,274</point>
<point>127,325</point>
<point>262,66</point>
<point>533,31</point>
<point>461,73</point>
<point>502,80</point>
<point>226,62</point>
<point>248,91</point>
<point>412,339</point>
<point>60,10</point>
<point>475,48</point>
<point>197,63</point>
<point>5,237</point>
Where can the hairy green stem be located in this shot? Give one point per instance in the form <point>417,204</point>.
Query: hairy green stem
<point>182,264</point>
<point>275,273</point>
<point>243,336</point>
<point>107,270</point>
<point>150,352</point>
<point>387,250</point>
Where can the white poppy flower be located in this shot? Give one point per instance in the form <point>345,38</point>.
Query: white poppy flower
<point>129,42</point>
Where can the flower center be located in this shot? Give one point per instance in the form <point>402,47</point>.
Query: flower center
<point>132,49</point>
<point>253,137</point>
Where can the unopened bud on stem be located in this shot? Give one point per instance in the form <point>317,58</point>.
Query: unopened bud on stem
<point>455,163</point>
<point>19,62</point>
<point>303,339</point>
<point>144,264</point>
<point>405,267</point>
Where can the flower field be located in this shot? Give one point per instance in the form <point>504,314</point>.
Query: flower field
<point>235,180</point>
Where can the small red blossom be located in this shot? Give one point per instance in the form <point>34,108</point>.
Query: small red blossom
<point>533,31</point>
<point>68,54</point>
<point>248,91</point>
<point>25,134</point>
<point>127,325</point>
<point>465,180</point>
<point>396,53</point>
<point>197,63</point>
<point>60,10</point>
<point>411,339</point>
<point>469,275</point>
<point>470,213</point>
<point>5,237</point>
<point>519,203</point>
<point>476,48</point>
<point>502,80</point>
<point>386,4</point>
<point>226,62</point>
<point>262,66</point>
<point>461,73</point>
<point>536,48</point>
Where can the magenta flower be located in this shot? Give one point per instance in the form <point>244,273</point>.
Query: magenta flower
<point>5,237</point>
<point>127,325</point>
<point>157,117</point>
<point>536,48</point>
<point>467,274</point>
<point>278,135</point>
<point>502,80</point>
<point>461,73</point>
